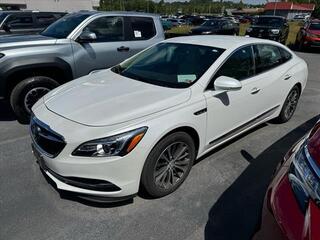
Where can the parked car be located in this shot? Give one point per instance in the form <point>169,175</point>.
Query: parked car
<point>26,22</point>
<point>291,209</point>
<point>309,35</point>
<point>141,124</point>
<point>232,19</point>
<point>167,25</point>
<point>176,22</point>
<point>301,17</point>
<point>270,27</point>
<point>216,26</point>
<point>70,48</point>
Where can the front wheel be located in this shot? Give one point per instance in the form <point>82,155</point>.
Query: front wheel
<point>27,93</point>
<point>289,106</point>
<point>168,164</point>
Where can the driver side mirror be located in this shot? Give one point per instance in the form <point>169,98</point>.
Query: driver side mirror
<point>87,36</point>
<point>227,84</point>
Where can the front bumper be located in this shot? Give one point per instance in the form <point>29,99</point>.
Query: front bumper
<point>97,178</point>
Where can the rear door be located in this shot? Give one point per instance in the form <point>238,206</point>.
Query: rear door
<point>141,33</point>
<point>273,72</point>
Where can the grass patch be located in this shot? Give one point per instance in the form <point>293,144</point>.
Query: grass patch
<point>293,30</point>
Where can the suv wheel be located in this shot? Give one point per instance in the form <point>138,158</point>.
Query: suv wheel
<point>168,164</point>
<point>289,105</point>
<point>27,93</point>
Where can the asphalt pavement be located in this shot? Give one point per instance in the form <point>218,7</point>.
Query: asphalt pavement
<point>221,198</point>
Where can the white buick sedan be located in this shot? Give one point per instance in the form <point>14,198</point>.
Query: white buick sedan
<point>140,125</point>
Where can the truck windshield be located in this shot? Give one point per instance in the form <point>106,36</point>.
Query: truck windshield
<point>175,65</point>
<point>269,21</point>
<point>64,26</point>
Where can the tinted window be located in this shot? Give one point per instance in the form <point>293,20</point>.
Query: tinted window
<point>286,56</point>
<point>269,21</point>
<point>64,26</point>
<point>239,65</point>
<point>2,17</point>
<point>19,21</point>
<point>142,28</point>
<point>107,29</point>
<point>266,57</point>
<point>45,19</point>
<point>170,64</point>
<point>315,26</point>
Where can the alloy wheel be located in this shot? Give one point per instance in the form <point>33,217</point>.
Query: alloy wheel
<point>33,96</point>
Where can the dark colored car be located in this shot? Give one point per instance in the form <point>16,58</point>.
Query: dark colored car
<point>291,208</point>
<point>216,26</point>
<point>269,27</point>
<point>309,35</point>
<point>23,22</point>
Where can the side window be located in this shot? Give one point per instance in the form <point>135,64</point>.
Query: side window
<point>45,19</point>
<point>266,57</point>
<point>286,56</point>
<point>19,21</point>
<point>142,28</point>
<point>239,65</point>
<point>107,29</point>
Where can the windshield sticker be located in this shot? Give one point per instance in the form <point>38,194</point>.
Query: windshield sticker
<point>137,34</point>
<point>188,78</point>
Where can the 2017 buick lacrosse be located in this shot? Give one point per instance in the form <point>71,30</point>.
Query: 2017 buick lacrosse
<point>142,123</point>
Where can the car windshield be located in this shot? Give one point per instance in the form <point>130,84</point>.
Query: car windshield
<point>64,26</point>
<point>269,21</point>
<point>174,65</point>
<point>212,23</point>
<point>314,26</point>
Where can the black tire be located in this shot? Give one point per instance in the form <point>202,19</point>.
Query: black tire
<point>289,105</point>
<point>22,98</point>
<point>149,184</point>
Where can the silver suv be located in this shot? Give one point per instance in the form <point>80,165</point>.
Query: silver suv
<point>74,46</point>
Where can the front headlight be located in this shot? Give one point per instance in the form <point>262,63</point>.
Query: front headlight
<point>249,29</point>
<point>118,145</point>
<point>206,33</point>
<point>275,31</point>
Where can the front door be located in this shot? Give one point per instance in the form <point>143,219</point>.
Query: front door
<point>231,111</point>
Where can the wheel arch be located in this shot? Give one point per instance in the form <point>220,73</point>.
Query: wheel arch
<point>14,72</point>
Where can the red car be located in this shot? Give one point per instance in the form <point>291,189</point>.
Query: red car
<point>309,35</point>
<point>291,208</point>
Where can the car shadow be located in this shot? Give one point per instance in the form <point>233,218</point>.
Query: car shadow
<point>6,113</point>
<point>237,213</point>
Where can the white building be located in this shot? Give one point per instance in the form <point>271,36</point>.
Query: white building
<point>51,5</point>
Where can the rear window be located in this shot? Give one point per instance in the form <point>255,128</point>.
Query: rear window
<point>142,28</point>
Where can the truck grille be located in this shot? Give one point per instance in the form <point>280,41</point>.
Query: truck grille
<point>49,142</point>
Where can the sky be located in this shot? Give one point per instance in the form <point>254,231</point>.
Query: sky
<point>245,1</point>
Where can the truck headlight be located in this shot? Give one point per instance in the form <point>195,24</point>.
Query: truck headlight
<point>206,33</point>
<point>118,145</point>
<point>275,31</point>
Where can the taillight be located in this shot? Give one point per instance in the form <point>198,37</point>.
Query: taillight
<point>313,144</point>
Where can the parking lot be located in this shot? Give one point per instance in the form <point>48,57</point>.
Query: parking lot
<point>221,199</point>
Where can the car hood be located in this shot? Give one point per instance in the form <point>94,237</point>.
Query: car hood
<point>105,98</point>
<point>19,41</point>
<point>317,32</point>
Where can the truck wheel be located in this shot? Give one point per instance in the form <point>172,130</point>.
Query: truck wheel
<point>26,93</point>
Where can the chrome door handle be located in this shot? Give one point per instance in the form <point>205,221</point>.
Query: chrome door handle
<point>255,90</point>
<point>287,77</point>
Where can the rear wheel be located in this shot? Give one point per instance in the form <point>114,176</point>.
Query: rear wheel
<point>289,106</point>
<point>168,164</point>
<point>27,93</point>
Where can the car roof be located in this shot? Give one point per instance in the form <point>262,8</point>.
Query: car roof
<point>219,41</point>
<point>127,13</point>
